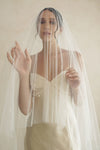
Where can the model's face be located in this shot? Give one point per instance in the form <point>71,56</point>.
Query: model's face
<point>47,26</point>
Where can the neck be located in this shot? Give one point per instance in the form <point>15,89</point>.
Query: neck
<point>50,47</point>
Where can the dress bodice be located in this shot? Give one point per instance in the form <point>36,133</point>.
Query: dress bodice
<point>39,83</point>
<point>52,104</point>
<point>51,99</point>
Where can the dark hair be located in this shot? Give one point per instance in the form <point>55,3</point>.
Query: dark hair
<point>57,14</point>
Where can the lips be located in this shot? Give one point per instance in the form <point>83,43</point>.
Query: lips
<point>46,33</point>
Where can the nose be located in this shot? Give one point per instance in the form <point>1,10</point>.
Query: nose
<point>47,25</point>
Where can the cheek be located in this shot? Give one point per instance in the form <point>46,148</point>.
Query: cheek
<point>53,28</point>
<point>41,35</point>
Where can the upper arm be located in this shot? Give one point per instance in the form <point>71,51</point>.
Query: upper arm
<point>80,59</point>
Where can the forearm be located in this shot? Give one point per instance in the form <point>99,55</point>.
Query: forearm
<point>24,94</point>
<point>74,95</point>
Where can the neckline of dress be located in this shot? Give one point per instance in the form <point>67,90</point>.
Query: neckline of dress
<point>50,81</point>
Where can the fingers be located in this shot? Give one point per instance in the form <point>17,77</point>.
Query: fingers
<point>27,54</point>
<point>71,69</point>
<point>15,51</point>
<point>72,74</point>
<point>12,53</point>
<point>9,58</point>
<point>75,78</point>
<point>17,46</point>
<point>72,77</point>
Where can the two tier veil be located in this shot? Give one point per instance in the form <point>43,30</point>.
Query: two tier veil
<point>52,98</point>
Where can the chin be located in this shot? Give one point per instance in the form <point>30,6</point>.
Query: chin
<point>46,40</point>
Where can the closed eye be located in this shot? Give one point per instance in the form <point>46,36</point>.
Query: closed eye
<point>51,22</point>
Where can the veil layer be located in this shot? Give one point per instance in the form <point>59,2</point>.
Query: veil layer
<point>52,97</point>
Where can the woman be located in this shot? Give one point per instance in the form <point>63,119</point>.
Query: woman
<point>50,85</point>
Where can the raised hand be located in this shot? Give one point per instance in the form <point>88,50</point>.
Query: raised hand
<point>74,78</point>
<point>22,60</point>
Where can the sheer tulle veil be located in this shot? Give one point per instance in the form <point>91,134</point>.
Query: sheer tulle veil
<point>53,51</point>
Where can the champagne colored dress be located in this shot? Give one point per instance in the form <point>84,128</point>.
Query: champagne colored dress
<point>51,134</point>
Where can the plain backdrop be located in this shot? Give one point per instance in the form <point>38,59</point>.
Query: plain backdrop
<point>83,18</point>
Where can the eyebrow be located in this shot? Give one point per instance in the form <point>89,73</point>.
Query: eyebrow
<point>50,18</point>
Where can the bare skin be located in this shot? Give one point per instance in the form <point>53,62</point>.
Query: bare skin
<point>41,64</point>
<point>23,63</point>
<point>71,74</point>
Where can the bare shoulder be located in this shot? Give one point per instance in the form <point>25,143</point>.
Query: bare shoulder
<point>78,55</point>
<point>33,58</point>
<point>65,51</point>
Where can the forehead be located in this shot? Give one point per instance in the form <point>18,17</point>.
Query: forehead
<point>47,14</point>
